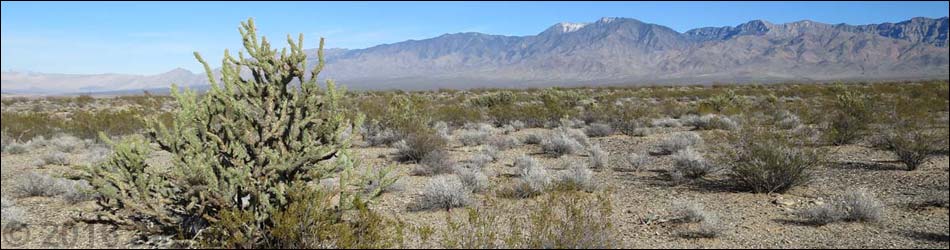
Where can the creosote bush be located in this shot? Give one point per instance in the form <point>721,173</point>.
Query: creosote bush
<point>850,117</point>
<point>763,161</point>
<point>418,145</point>
<point>911,142</point>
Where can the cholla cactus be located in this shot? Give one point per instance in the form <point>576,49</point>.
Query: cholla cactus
<point>242,145</point>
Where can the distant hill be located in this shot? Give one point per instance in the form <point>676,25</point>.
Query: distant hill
<point>608,51</point>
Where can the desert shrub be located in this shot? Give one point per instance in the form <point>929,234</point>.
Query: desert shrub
<point>911,142</point>
<point>473,179</point>
<point>560,144</point>
<point>16,149</point>
<point>711,227</point>
<point>691,164</point>
<point>787,120</point>
<point>238,150</point>
<point>88,124</point>
<point>850,117</point>
<point>524,162</point>
<point>576,134</point>
<point>474,136</point>
<point>67,143</point>
<point>5,141</point>
<point>37,185</point>
<point>4,203</point>
<point>442,129</point>
<point>22,126</point>
<point>481,160</point>
<point>375,135</point>
<point>502,142</point>
<point>535,179</point>
<point>55,158</point>
<point>443,192</point>
<point>688,212</point>
<point>564,220</point>
<point>598,157</point>
<point>569,220</point>
<point>599,130</point>
<point>578,177</point>
<point>418,145</point>
<point>722,102</point>
<point>678,142</point>
<point>533,139</point>
<point>490,151</point>
<point>517,125</point>
<point>570,123</point>
<point>78,191</point>
<point>457,115</point>
<point>629,126</point>
<point>563,141</point>
<point>767,162</point>
<point>379,181</point>
<point>711,122</point>
<point>821,215</point>
<point>309,222</point>
<point>666,123</point>
<point>854,206</point>
<point>488,101</point>
<point>635,161</point>
<point>435,163</point>
<point>861,205</point>
<point>12,218</point>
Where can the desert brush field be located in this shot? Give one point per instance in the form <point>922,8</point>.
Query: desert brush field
<point>279,159</point>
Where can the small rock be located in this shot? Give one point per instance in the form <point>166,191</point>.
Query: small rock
<point>783,202</point>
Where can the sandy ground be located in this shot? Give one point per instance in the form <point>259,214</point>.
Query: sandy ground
<point>751,220</point>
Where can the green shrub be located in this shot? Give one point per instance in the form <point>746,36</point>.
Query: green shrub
<point>911,142</point>
<point>239,151</point>
<point>850,118</point>
<point>763,161</point>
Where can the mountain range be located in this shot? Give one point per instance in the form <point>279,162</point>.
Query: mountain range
<point>609,51</point>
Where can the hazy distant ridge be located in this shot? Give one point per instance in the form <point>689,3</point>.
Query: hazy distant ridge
<point>608,51</point>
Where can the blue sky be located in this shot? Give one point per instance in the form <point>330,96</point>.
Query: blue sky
<point>154,37</point>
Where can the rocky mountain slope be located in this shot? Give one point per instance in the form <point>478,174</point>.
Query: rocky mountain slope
<point>608,51</point>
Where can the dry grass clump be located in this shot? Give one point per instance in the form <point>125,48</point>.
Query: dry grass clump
<point>599,158</point>
<point>564,142</point>
<point>443,192</point>
<point>679,142</point>
<point>435,163</point>
<point>710,122</point>
<point>854,206</point>
<point>692,165</point>
<point>599,130</point>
